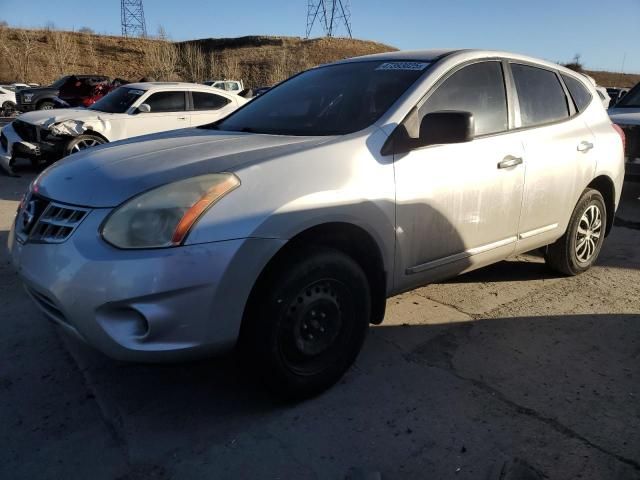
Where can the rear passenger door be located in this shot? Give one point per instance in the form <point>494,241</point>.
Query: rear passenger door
<point>558,158</point>
<point>168,112</point>
<point>209,107</point>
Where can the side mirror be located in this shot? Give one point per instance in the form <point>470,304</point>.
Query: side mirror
<point>144,108</point>
<point>447,126</point>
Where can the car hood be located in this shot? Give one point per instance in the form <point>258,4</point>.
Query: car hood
<point>625,116</point>
<point>46,118</point>
<point>107,175</point>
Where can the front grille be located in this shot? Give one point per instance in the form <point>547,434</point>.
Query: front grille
<point>4,142</point>
<point>26,131</point>
<point>43,221</point>
<point>632,134</point>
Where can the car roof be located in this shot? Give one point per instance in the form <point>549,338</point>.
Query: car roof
<point>464,54</point>
<point>171,85</point>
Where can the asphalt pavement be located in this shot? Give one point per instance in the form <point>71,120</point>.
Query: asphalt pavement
<point>509,372</point>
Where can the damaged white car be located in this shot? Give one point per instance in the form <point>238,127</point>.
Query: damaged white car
<point>129,111</point>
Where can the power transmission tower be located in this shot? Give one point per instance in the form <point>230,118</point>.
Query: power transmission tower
<point>330,14</point>
<point>133,24</point>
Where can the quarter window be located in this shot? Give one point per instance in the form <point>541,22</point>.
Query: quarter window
<point>208,101</point>
<point>579,93</point>
<point>477,88</point>
<point>541,96</point>
<point>167,102</point>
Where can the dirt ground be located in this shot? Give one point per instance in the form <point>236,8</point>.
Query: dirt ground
<point>509,372</point>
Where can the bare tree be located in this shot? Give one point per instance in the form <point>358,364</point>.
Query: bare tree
<point>161,60</point>
<point>86,30</point>
<point>64,51</point>
<point>19,55</point>
<point>194,63</point>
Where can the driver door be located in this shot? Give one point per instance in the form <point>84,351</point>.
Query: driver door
<point>458,205</point>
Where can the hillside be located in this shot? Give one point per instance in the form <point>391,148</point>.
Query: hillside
<point>43,55</point>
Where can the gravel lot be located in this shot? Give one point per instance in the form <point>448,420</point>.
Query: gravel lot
<point>508,372</point>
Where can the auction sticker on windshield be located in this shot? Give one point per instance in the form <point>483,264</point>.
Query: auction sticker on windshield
<point>403,66</point>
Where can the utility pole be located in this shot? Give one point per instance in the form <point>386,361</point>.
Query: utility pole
<point>330,14</point>
<point>132,15</point>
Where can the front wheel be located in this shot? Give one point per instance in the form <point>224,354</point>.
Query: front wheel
<point>82,142</point>
<point>46,105</point>
<point>306,322</point>
<point>577,250</point>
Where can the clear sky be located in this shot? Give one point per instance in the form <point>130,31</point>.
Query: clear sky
<point>602,32</point>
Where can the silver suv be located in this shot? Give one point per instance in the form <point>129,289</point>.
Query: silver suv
<point>283,228</point>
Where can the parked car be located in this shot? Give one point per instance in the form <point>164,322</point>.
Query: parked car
<point>626,114</point>
<point>7,101</point>
<point>129,111</point>
<point>602,92</point>
<point>67,91</point>
<point>235,86</point>
<point>283,228</point>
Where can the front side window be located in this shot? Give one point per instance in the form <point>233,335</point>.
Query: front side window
<point>477,88</point>
<point>579,93</point>
<point>631,99</point>
<point>208,101</point>
<point>118,101</point>
<point>541,96</point>
<point>331,100</point>
<point>167,102</point>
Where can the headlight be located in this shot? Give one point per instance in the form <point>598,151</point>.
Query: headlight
<point>163,217</point>
<point>27,97</point>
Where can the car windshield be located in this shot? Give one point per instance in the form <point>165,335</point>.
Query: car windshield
<point>60,82</point>
<point>332,100</point>
<point>631,99</point>
<point>117,101</point>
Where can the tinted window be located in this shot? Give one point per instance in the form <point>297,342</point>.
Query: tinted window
<point>630,99</point>
<point>167,102</point>
<point>479,89</point>
<point>541,96</point>
<point>117,101</point>
<point>332,100</point>
<point>208,101</point>
<point>579,93</point>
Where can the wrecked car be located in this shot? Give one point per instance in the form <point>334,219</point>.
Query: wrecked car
<point>129,111</point>
<point>67,91</point>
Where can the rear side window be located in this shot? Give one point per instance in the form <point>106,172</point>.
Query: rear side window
<point>579,93</point>
<point>208,101</point>
<point>477,88</point>
<point>167,102</point>
<point>541,96</point>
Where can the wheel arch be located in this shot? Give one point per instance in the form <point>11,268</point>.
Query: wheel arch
<point>348,238</point>
<point>604,184</point>
<point>45,99</point>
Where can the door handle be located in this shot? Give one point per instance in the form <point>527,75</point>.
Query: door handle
<point>510,161</point>
<point>182,118</point>
<point>585,146</point>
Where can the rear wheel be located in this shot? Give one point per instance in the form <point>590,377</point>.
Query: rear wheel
<point>306,322</point>
<point>82,142</point>
<point>579,247</point>
<point>46,105</point>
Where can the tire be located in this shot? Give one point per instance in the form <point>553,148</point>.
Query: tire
<point>82,142</point>
<point>46,105</point>
<point>8,108</point>
<point>578,249</point>
<point>306,322</point>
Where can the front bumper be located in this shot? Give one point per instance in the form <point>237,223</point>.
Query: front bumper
<point>143,305</point>
<point>12,147</point>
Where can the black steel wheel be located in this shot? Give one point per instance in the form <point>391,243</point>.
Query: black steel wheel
<point>307,321</point>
